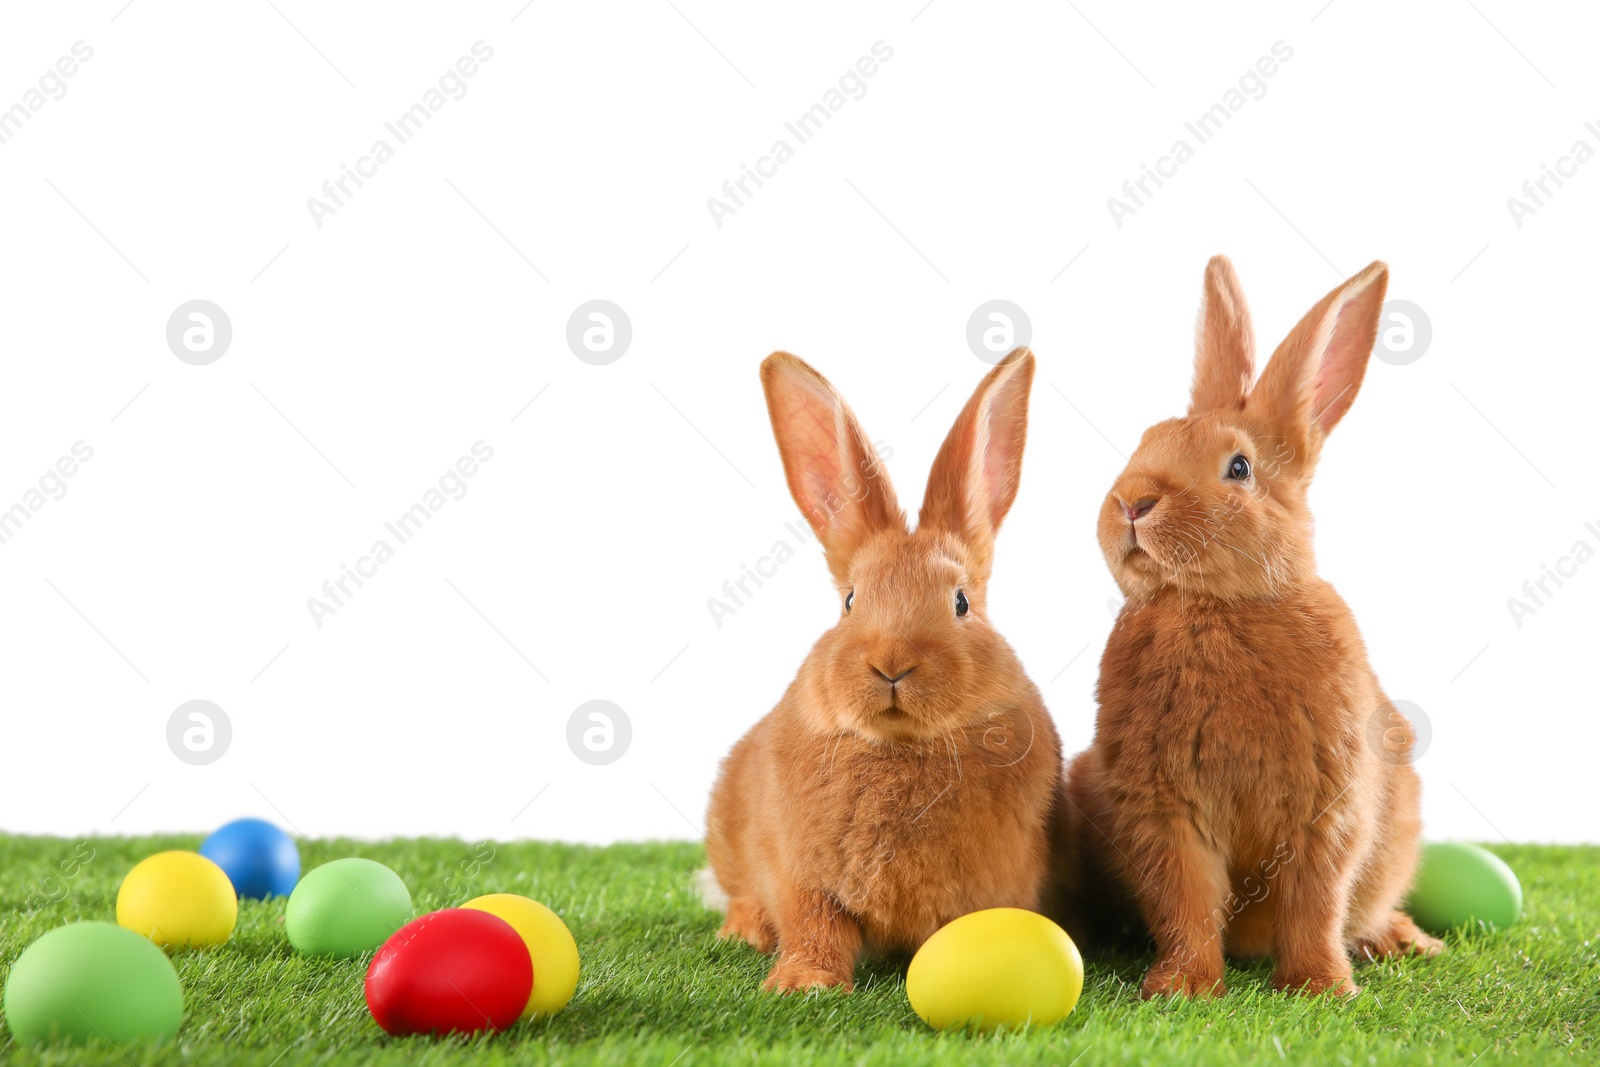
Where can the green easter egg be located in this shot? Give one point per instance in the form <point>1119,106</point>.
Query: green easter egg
<point>346,907</point>
<point>89,981</point>
<point>1460,883</point>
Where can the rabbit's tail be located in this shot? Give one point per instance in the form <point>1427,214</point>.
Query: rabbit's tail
<point>712,895</point>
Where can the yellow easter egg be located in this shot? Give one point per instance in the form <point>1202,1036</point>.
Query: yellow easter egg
<point>550,944</point>
<point>178,898</point>
<point>1001,967</point>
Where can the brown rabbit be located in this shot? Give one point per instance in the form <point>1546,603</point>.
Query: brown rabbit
<point>1249,786</point>
<point>907,774</point>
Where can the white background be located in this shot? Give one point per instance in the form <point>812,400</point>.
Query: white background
<point>424,315</point>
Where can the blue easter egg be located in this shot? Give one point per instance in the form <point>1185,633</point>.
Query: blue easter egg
<point>260,860</point>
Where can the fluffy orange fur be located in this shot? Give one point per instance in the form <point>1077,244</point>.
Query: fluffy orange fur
<point>908,773</point>
<point>1249,788</point>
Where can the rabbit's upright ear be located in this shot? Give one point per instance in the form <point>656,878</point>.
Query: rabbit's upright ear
<point>1225,347</point>
<point>1313,377</point>
<point>834,473</point>
<point>975,476</point>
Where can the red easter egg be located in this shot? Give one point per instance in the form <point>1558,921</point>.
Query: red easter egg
<point>450,971</point>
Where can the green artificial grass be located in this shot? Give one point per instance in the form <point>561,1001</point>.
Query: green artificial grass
<point>659,989</point>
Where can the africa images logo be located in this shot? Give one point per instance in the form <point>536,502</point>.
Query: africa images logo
<point>1252,85</point>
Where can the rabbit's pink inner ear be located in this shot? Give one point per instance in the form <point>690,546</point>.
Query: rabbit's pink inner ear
<point>834,473</point>
<point>979,467</point>
<point>1350,339</point>
<point>1005,434</point>
<point>1313,377</point>
<point>1224,362</point>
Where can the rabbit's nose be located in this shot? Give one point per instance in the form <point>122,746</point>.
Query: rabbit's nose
<point>1139,508</point>
<point>891,676</point>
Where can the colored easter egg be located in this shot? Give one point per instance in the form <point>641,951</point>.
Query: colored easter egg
<point>346,907</point>
<point>89,981</point>
<point>1460,883</point>
<point>550,946</point>
<point>1001,967</point>
<point>259,859</point>
<point>457,970</point>
<point>178,898</point>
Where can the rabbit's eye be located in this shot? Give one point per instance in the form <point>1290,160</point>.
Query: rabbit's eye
<point>961,603</point>
<point>1239,469</point>
<point>849,599</point>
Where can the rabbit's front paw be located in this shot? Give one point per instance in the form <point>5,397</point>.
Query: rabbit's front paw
<point>1315,984</point>
<point>1171,980</point>
<point>797,976</point>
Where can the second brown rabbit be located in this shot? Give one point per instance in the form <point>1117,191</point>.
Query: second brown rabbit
<point>1250,787</point>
